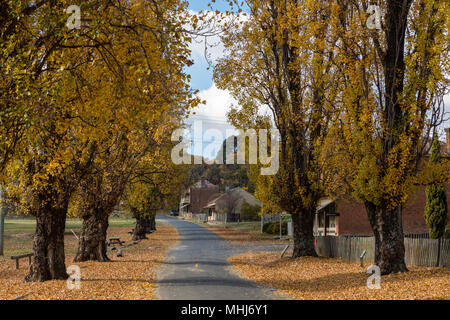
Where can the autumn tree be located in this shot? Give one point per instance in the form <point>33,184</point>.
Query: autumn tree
<point>157,185</point>
<point>19,56</point>
<point>98,194</point>
<point>53,154</point>
<point>143,200</point>
<point>393,79</point>
<point>153,97</point>
<point>280,59</point>
<point>230,202</point>
<point>70,86</point>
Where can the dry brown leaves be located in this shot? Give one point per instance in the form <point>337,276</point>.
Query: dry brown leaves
<point>129,277</point>
<point>329,278</point>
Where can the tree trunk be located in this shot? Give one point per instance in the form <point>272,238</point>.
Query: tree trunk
<point>153,223</point>
<point>303,223</point>
<point>386,223</point>
<point>141,229</point>
<point>48,245</point>
<point>3,213</point>
<point>389,240</point>
<point>92,242</point>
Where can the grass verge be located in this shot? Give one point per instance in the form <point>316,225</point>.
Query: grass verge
<point>130,277</point>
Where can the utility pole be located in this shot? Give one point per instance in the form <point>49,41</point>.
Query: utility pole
<point>262,223</point>
<point>262,220</point>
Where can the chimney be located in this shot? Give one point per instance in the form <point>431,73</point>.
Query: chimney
<point>447,141</point>
<point>202,182</point>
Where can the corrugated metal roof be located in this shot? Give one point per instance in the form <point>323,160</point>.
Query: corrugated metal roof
<point>323,203</point>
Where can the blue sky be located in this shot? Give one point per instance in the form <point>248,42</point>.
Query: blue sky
<point>198,5</point>
<point>213,114</point>
<point>201,76</point>
<point>218,102</point>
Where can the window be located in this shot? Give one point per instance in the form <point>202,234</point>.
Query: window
<point>327,217</point>
<point>331,222</point>
<point>321,219</point>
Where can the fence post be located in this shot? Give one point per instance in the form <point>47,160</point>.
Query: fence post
<point>349,248</point>
<point>438,262</point>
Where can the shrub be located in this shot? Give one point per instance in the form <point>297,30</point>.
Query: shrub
<point>274,227</point>
<point>436,199</point>
<point>249,212</point>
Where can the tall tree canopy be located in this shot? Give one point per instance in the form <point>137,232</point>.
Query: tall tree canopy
<point>393,81</point>
<point>279,59</point>
<point>354,105</point>
<point>81,102</point>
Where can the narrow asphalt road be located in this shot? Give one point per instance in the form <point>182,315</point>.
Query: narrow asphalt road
<point>196,268</point>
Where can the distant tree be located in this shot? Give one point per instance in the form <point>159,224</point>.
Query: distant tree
<point>159,188</point>
<point>222,174</point>
<point>231,201</point>
<point>249,212</point>
<point>436,198</point>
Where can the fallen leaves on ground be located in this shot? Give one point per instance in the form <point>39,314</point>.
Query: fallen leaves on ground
<point>331,278</point>
<point>129,277</point>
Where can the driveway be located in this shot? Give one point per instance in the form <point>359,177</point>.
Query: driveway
<point>196,268</point>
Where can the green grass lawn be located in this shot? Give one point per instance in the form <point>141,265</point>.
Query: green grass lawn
<point>29,224</point>
<point>250,227</point>
<point>19,232</point>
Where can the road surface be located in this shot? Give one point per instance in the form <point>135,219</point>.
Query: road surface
<point>196,268</point>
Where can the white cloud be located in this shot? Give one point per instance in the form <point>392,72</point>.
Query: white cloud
<point>217,105</point>
<point>218,102</point>
<point>212,115</point>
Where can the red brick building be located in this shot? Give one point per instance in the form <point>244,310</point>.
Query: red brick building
<point>346,216</point>
<point>197,197</point>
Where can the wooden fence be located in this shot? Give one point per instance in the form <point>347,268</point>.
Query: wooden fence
<point>418,251</point>
<point>200,217</point>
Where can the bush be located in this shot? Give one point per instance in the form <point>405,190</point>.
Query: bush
<point>274,227</point>
<point>436,198</point>
<point>249,212</point>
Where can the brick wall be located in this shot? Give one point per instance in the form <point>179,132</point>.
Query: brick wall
<point>200,197</point>
<point>353,217</point>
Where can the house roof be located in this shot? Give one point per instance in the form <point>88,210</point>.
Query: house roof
<point>247,196</point>
<point>323,203</point>
<point>212,200</point>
